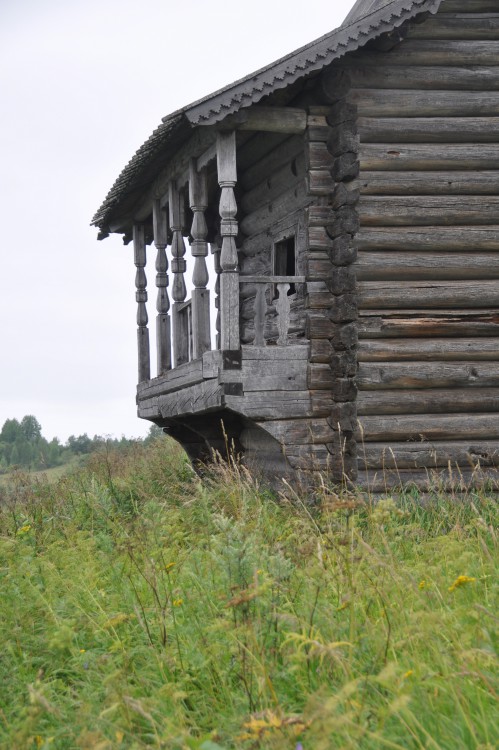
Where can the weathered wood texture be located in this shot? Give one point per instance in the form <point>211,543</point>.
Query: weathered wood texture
<point>427,262</point>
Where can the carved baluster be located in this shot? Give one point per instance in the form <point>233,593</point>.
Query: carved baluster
<point>198,201</point>
<point>180,333</point>
<point>139,246</point>
<point>260,310</point>
<point>163,335</point>
<point>215,249</point>
<point>229,279</point>
<point>283,306</point>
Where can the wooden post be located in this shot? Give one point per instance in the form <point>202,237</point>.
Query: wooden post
<point>198,201</point>
<point>229,280</point>
<point>180,342</point>
<point>215,249</point>
<point>139,246</point>
<point>163,334</point>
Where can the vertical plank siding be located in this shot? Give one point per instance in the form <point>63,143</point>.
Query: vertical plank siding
<point>428,248</point>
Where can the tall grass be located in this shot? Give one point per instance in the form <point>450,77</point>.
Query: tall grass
<point>144,608</point>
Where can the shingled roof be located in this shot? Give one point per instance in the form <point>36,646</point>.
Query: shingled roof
<point>367,20</point>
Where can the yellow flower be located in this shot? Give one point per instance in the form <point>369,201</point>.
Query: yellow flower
<point>24,529</point>
<point>422,585</point>
<point>461,581</point>
<point>82,650</point>
<point>408,674</point>
<point>178,602</point>
<point>169,566</point>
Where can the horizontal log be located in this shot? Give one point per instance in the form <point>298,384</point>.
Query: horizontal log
<point>449,350</point>
<point>320,351</point>
<point>262,405</point>
<point>308,457</point>
<point>404,266</point>
<point>423,323</point>
<point>428,77</point>
<point>318,156</point>
<point>428,129</point>
<point>321,402</point>
<point>465,26</point>
<point>433,294</point>
<point>416,156</point>
<point>183,376</point>
<point>274,184</point>
<point>436,238</point>
<point>422,454</point>
<point>268,119</point>
<point>433,401</point>
<point>428,183</point>
<point>423,103</point>
<point>427,480</point>
<point>429,427</point>
<point>373,376</point>
<point>269,162</point>
<point>434,53</point>
<point>320,377</point>
<point>320,182</point>
<point>266,216</point>
<point>300,431</point>
<point>273,353</point>
<point>468,6</point>
<point>427,210</point>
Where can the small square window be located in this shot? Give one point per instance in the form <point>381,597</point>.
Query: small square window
<point>285,260</point>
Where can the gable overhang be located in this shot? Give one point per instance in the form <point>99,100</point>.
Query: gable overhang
<point>368,20</point>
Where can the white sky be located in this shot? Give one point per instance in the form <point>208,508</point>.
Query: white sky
<point>83,83</point>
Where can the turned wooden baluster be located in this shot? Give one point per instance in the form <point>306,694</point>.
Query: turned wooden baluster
<point>260,312</point>
<point>139,247</point>
<point>163,334</point>
<point>198,201</point>
<point>180,333</point>
<point>229,279</point>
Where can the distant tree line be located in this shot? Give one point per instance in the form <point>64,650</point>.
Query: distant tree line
<point>22,444</point>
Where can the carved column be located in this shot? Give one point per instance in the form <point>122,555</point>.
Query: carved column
<point>180,334</point>
<point>229,279</point>
<point>163,334</point>
<point>139,247</point>
<point>215,249</point>
<point>198,201</point>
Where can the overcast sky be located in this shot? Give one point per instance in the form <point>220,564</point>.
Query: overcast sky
<point>83,83</point>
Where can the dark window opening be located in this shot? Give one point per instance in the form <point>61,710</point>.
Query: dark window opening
<point>285,260</point>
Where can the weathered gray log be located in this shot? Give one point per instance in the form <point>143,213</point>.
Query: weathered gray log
<point>421,323</point>
<point>195,399</point>
<point>441,78</point>
<point>435,52</point>
<point>414,156</point>
<point>457,27</point>
<point>434,294</point>
<point>443,480</point>
<point>300,431</point>
<point>318,156</point>
<point>485,182</point>
<point>415,103</point>
<point>449,350</point>
<point>428,129</point>
<point>288,120</point>
<point>374,376</point>
<point>429,427</point>
<point>421,454</point>
<point>404,266</point>
<point>427,210</point>
<point>434,401</point>
<point>320,351</point>
<point>468,6</point>
<point>260,405</point>
<point>180,377</point>
<point>435,238</point>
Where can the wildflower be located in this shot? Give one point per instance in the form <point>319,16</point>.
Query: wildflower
<point>24,529</point>
<point>422,585</point>
<point>39,740</point>
<point>169,566</point>
<point>461,581</point>
<point>82,650</point>
<point>409,673</point>
<point>178,602</point>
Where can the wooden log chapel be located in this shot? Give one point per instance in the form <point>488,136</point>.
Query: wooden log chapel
<point>346,198</point>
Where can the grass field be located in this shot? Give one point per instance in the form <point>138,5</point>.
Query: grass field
<point>143,608</point>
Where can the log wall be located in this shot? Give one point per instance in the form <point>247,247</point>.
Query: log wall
<point>428,248</point>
